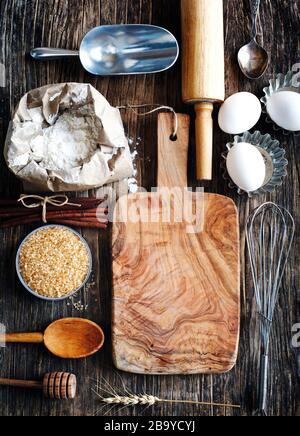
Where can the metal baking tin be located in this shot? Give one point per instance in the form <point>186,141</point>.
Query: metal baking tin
<point>274,156</point>
<point>288,82</point>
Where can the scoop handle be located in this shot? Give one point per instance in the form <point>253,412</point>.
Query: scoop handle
<point>48,54</point>
<point>22,338</point>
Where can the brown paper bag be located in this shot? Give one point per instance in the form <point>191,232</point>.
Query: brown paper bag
<point>26,151</point>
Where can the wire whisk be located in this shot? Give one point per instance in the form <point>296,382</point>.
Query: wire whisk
<point>270,232</point>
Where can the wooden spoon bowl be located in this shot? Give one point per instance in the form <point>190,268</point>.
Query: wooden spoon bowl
<point>73,338</point>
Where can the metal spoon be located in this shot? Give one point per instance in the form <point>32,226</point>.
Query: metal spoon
<point>253,59</point>
<point>121,50</point>
<point>69,338</point>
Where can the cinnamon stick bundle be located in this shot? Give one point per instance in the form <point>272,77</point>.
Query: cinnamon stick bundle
<point>77,212</point>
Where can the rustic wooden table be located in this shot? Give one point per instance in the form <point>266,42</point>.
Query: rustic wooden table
<point>62,23</point>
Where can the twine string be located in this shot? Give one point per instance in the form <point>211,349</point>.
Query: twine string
<point>54,200</point>
<point>157,108</point>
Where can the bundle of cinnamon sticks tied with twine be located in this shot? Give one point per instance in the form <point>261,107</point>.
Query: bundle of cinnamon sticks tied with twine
<point>57,209</point>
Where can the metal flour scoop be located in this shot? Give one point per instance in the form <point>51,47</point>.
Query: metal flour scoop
<point>121,50</point>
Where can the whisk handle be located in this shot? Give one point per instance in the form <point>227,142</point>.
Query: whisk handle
<point>263,384</point>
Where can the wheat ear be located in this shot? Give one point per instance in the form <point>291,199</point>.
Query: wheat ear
<point>150,400</point>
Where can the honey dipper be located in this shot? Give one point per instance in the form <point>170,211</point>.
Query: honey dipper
<point>55,385</point>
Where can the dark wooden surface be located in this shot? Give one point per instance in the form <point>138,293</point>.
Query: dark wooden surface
<point>28,23</point>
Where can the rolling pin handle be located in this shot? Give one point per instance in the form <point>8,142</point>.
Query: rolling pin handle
<point>204,140</point>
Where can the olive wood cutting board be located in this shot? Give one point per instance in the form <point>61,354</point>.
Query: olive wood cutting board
<point>176,285</point>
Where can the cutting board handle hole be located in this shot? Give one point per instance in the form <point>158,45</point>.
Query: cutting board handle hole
<point>173,138</point>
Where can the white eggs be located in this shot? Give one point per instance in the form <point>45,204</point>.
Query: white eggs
<point>284,109</point>
<point>239,113</point>
<point>246,166</point>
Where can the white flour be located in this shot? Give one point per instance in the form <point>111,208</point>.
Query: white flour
<point>69,143</point>
<point>132,181</point>
<point>67,137</point>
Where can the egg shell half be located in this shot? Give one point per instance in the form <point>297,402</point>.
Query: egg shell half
<point>246,166</point>
<point>239,113</point>
<point>283,108</point>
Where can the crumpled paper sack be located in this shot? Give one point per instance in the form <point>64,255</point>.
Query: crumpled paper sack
<point>110,162</point>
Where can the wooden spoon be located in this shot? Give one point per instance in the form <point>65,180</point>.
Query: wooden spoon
<point>68,338</point>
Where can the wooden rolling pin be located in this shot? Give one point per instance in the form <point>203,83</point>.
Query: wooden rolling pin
<point>203,71</point>
<point>55,386</point>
